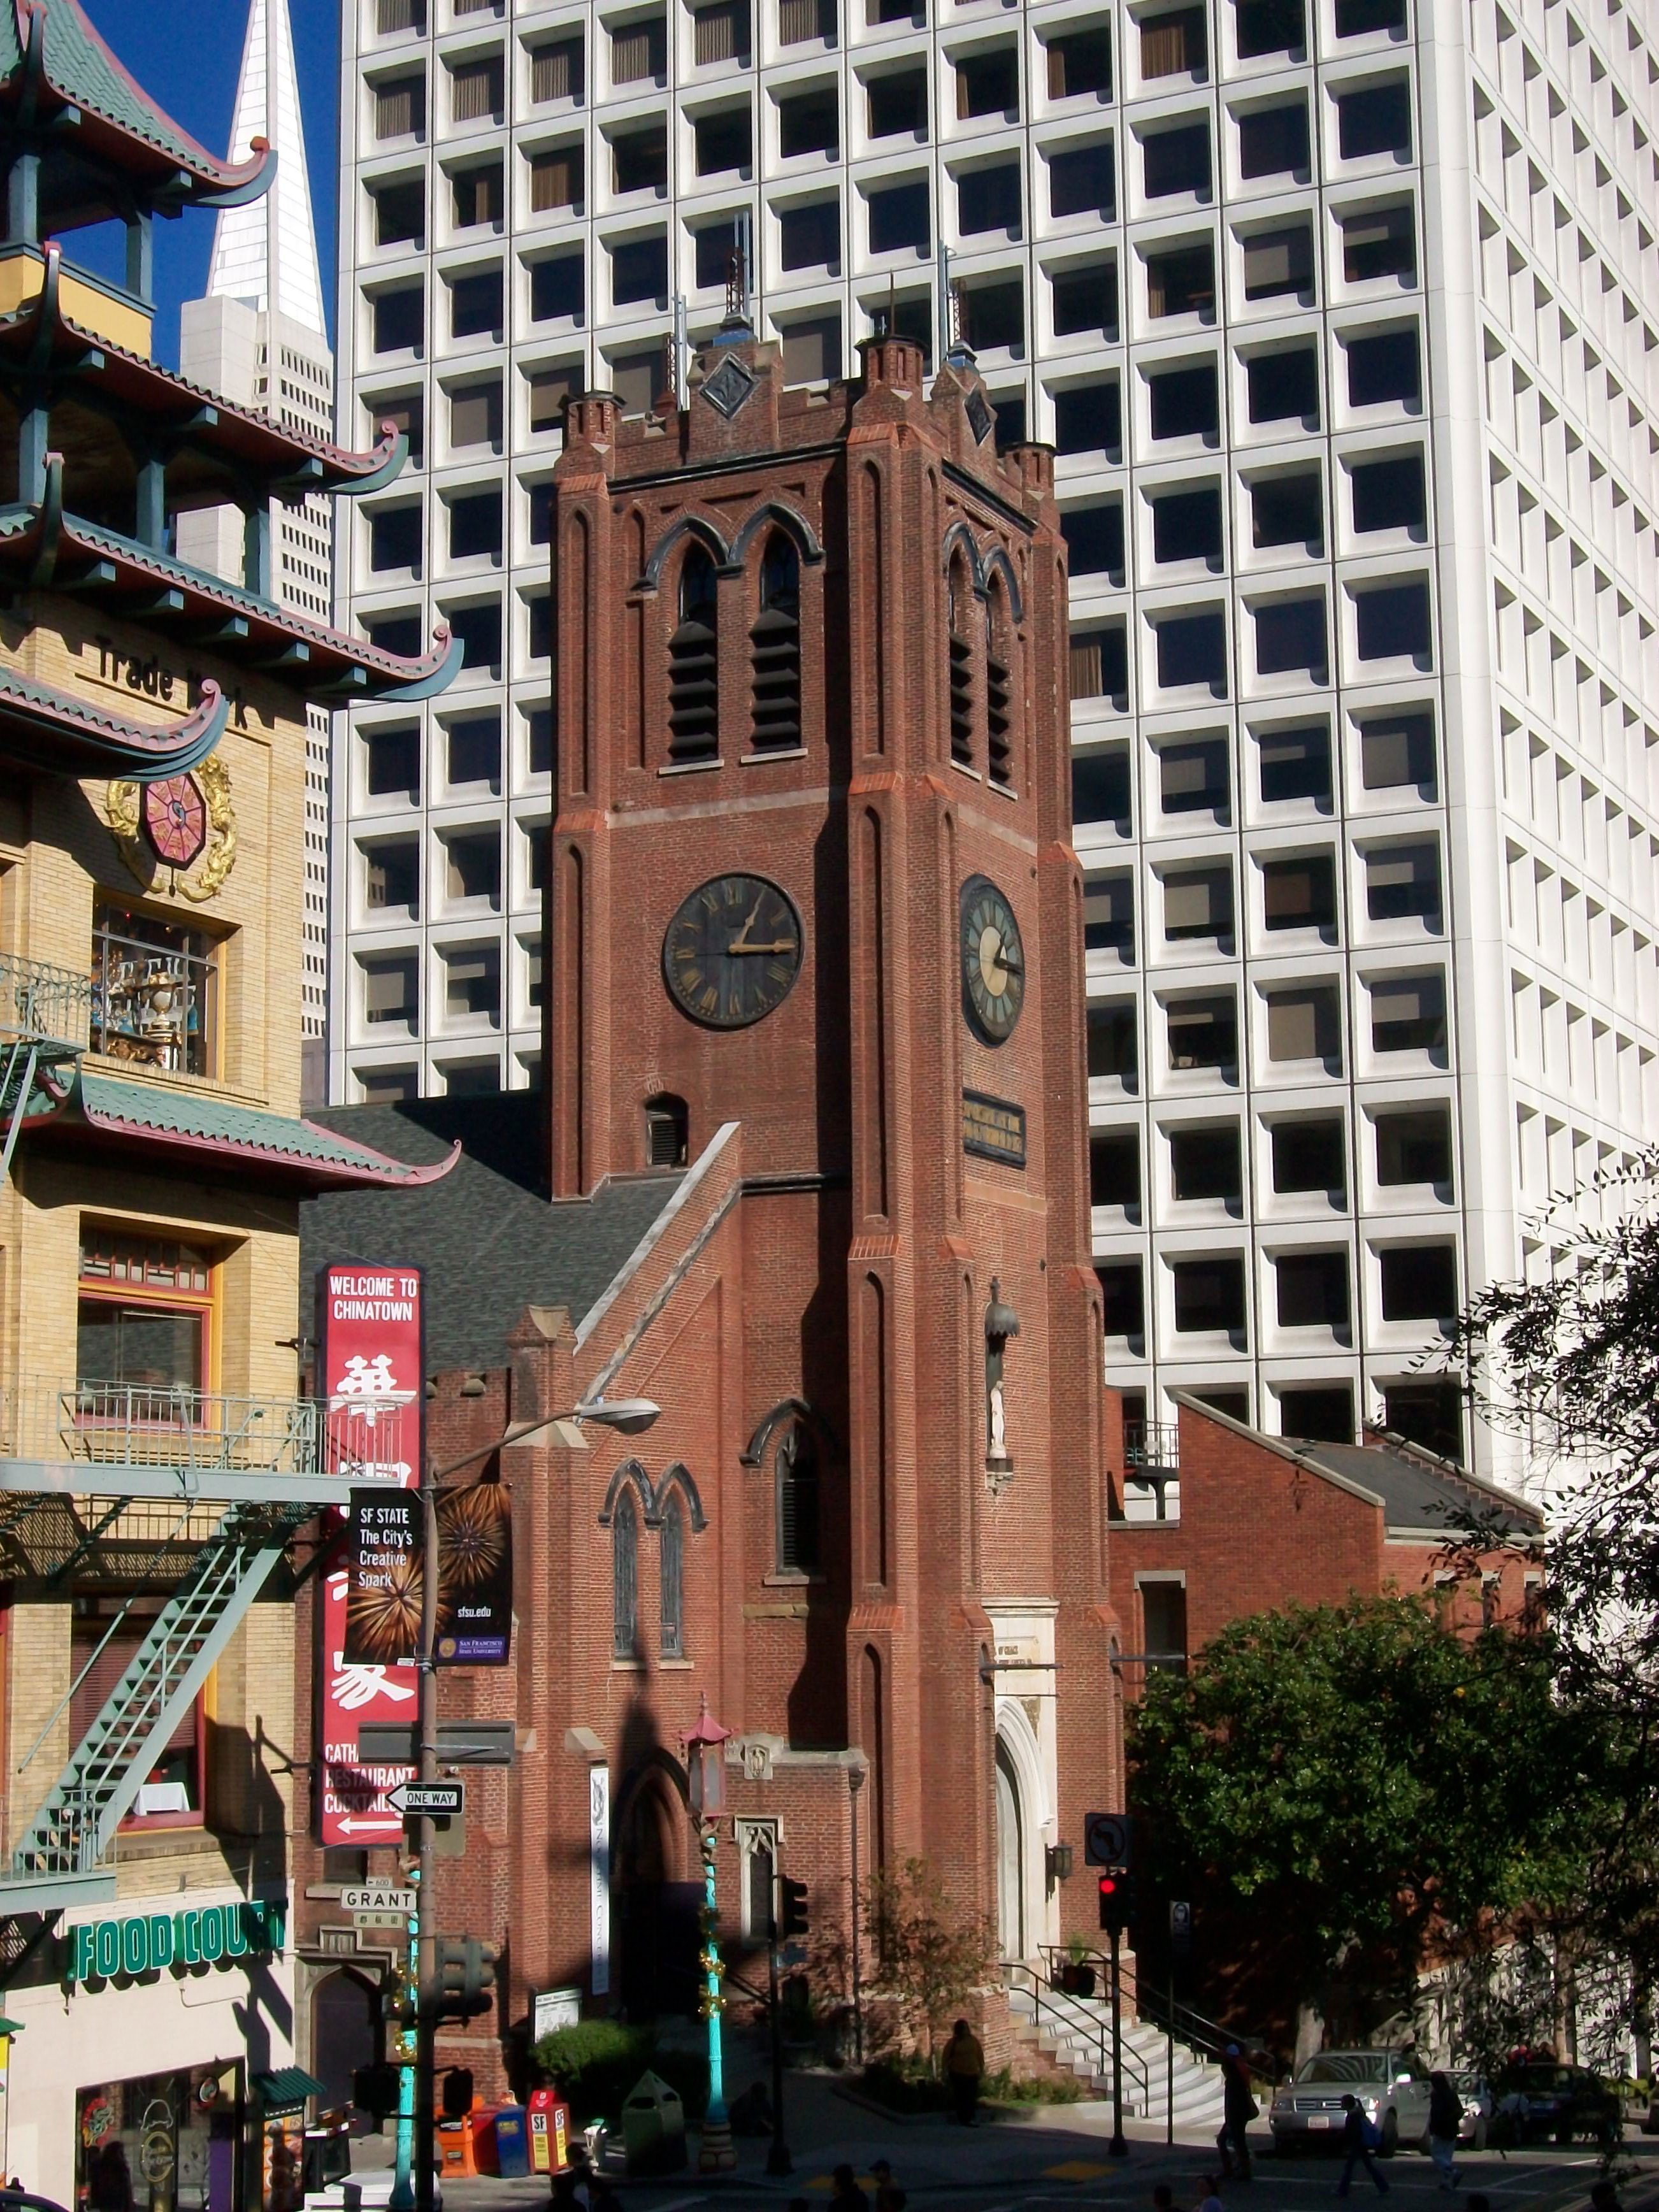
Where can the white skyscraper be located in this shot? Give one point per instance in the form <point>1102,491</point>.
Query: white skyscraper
<point>1343,316</point>
<point>260,337</point>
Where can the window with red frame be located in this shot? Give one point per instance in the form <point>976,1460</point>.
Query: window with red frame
<point>145,1305</point>
<point>173,1795</point>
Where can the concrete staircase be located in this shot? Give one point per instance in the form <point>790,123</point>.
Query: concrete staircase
<point>1076,2034</point>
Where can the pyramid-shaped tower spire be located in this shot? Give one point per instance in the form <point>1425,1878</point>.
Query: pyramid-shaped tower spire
<point>266,253</point>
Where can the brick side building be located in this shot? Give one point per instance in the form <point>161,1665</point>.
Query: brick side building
<point>1214,1520</point>
<point>815,1093</point>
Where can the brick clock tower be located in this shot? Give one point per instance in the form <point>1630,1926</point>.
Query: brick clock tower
<point>814,942</point>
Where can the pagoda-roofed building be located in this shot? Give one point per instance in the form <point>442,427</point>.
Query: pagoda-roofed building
<point>156,1455</point>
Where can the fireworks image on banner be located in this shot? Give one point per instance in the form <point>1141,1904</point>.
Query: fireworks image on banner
<point>472,1530</point>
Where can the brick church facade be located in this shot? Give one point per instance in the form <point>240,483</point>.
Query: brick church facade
<point>812,1175</point>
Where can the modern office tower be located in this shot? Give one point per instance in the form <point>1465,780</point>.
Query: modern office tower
<point>259,334</point>
<point>1341,318</point>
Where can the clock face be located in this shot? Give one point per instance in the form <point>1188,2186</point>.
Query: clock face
<point>175,817</point>
<point>993,961</point>
<point>732,951</point>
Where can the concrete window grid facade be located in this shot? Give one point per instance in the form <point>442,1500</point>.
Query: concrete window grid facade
<point>1528,189</point>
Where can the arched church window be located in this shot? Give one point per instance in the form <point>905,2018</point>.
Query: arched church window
<point>666,1131</point>
<point>774,648</point>
<point>961,604</point>
<point>671,1555</point>
<point>693,665</point>
<point>625,1577</point>
<point>797,1494</point>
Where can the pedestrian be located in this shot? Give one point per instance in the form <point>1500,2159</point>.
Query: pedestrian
<point>964,2065</point>
<point>1604,2197</point>
<point>1211,2200</point>
<point>1162,2197</point>
<point>1359,2140</point>
<point>888,2198</point>
<point>844,2191</point>
<point>1238,2109</point>
<point>1445,2118</point>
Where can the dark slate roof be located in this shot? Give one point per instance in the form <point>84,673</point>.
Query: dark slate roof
<point>489,1239</point>
<point>1417,1495</point>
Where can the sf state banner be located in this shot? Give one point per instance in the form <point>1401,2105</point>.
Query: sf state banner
<point>387,1577</point>
<point>371,1366</point>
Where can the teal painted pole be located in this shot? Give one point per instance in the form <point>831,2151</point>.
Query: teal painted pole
<point>717,2155</point>
<point>403,2186</point>
<point>713,2004</point>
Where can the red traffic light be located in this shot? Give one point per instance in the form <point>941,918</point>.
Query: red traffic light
<point>1108,1885</point>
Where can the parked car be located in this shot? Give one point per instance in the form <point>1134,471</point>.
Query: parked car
<point>1392,2087</point>
<point>1546,2099</point>
<point>1479,2106</point>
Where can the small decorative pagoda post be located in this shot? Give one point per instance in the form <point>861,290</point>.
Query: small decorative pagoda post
<point>705,1759</point>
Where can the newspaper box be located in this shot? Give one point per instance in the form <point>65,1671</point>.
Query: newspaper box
<point>653,2126</point>
<point>548,2125</point>
<point>511,2149</point>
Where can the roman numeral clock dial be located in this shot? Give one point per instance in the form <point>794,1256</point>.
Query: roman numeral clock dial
<point>993,961</point>
<point>732,951</point>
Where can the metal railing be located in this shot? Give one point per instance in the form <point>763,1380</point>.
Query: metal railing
<point>42,1005</point>
<point>1078,2019</point>
<point>171,1427</point>
<point>1152,1444</point>
<point>1209,2037</point>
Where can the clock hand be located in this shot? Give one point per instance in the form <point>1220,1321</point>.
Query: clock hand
<point>740,942</point>
<point>779,944</point>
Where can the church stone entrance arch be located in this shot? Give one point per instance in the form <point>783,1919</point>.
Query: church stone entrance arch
<point>655,1895</point>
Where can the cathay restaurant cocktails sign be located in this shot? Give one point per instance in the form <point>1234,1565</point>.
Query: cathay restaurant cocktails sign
<point>202,1936</point>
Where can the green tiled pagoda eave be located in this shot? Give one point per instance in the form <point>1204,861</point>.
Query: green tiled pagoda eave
<point>49,54</point>
<point>201,1127</point>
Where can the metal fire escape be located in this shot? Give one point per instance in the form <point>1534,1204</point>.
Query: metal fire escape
<point>149,1490</point>
<point>46,1015</point>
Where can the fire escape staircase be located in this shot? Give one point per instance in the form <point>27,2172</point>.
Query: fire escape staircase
<point>64,1850</point>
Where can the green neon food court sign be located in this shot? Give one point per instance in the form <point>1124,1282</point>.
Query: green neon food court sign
<point>204,1935</point>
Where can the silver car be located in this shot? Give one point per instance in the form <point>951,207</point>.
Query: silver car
<point>1392,2087</point>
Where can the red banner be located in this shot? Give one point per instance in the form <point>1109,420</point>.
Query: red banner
<point>352,1798</point>
<point>371,1370</point>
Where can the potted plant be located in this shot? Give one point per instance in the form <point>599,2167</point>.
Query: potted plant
<point>1077,1976</point>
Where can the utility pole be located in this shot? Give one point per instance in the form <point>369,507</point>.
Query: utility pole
<point>778,2160</point>
<point>854,1783</point>
<point>1117,2148</point>
<point>426,2026</point>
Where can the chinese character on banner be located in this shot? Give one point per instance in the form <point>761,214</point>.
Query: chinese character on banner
<point>352,1798</point>
<point>371,1370</point>
<point>371,1375</point>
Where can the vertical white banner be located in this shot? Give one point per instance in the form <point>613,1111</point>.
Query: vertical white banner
<point>598,1877</point>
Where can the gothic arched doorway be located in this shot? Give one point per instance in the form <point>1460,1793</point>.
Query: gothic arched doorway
<point>345,2032</point>
<point>655,1900</point>
<point>1010,1859</point>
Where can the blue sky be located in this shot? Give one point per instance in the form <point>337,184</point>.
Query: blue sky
<point>186,54</point>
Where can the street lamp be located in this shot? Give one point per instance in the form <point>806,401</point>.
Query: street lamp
<point>705,1763</point>
<point>629,1417</point>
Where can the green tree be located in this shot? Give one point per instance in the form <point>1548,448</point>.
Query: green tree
<point>1367,1787</point>
<point>934,1954</point>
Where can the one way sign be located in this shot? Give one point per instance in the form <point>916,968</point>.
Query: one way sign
<point>412,1799</point>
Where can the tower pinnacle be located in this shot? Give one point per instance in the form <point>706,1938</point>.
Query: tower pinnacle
<point>265,253</point>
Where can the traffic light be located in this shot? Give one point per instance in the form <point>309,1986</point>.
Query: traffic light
<point>375,2089</point>
<point>1118,1902</point>
<point>462,1977</point>
<point>458,2092</point>
<point>793,1922</point>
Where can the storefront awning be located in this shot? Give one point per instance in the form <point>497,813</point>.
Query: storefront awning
<point>287,2088</point>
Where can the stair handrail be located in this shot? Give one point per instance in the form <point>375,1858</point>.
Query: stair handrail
<point>1210,2037</point>
<point>1074,2014</point>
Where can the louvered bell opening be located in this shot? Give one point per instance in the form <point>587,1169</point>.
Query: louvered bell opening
<point>664,1136</point>
<point>774,656</point>
<point>999,747</point>
<point>693,693</point>
<point>961,700</point>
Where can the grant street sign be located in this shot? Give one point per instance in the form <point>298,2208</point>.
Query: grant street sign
<point>380,1899</point>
